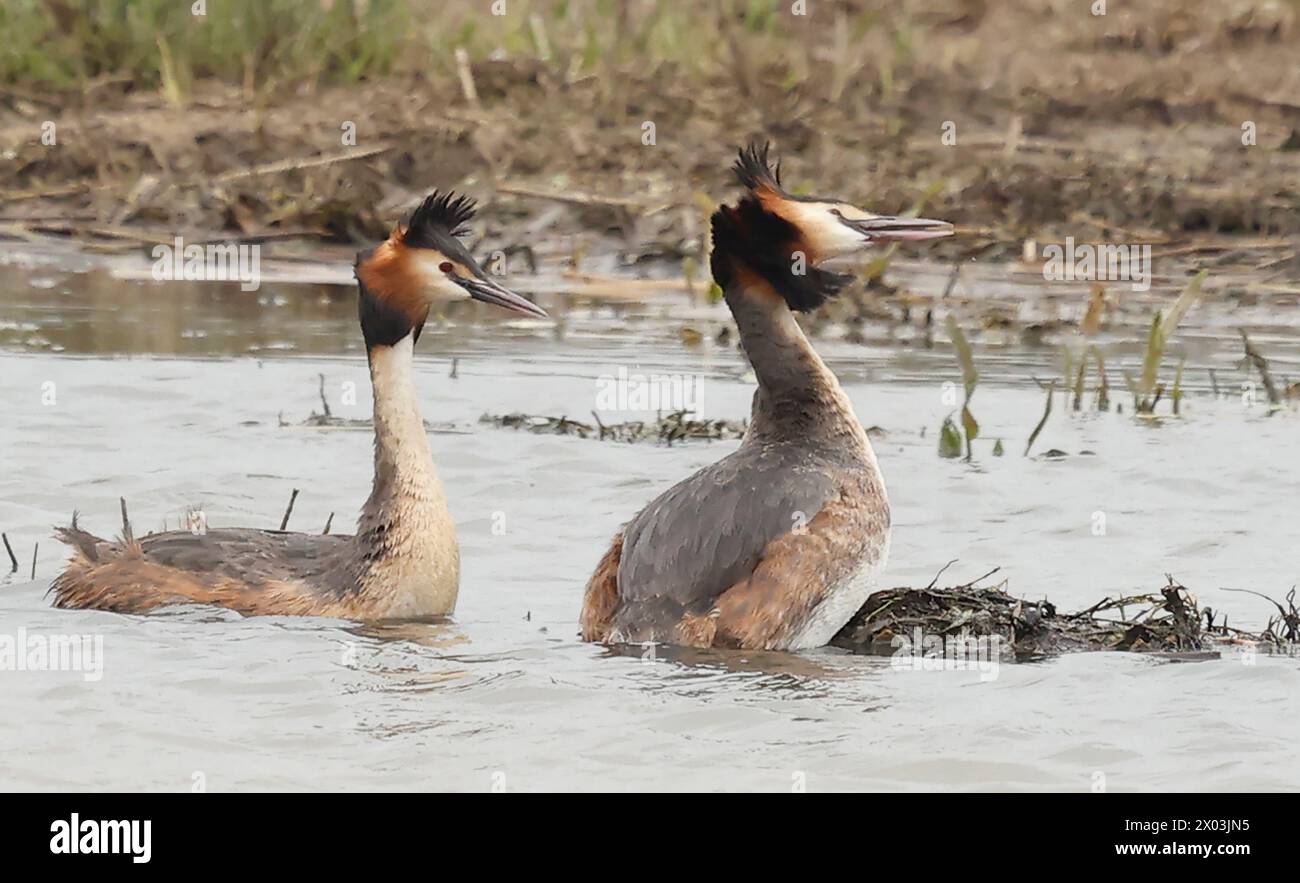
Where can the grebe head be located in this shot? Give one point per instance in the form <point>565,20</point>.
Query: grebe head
<point>826,228</point>
<point>421,262</point>
<point>784,238</point>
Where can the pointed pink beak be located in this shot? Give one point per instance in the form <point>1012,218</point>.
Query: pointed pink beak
<point>885,228</point>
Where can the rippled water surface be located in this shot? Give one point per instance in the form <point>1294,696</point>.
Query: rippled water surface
<point>175,395</point>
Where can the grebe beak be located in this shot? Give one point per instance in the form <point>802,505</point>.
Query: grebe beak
<point>484,289</point>
<point>886,228</point>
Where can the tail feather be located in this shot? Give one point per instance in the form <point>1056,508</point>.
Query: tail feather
<point>600,601</point>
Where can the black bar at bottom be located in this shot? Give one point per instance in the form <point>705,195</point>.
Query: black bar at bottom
<point>229,831</point>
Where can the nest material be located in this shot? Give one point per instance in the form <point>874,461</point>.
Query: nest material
<point>665,429</point>
<point>1167,622</point>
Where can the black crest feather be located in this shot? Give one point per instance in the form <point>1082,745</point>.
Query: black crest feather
<point>754,170</point>
<point>439,217</point>
<point>765,242</point>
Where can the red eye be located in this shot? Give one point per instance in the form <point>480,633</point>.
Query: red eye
<point>446,267</point>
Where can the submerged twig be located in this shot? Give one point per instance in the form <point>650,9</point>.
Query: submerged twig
<point>128,536</point>
<point>979,579</point>
<point>1078,384</point>
<point>1103,389</point>
<point>1261,365</point>
<point>940,573</point>
<point>324,402</point>
<point>1047,412</point>
<point>284,522</point>
<point>10,549</point>
<point>1290,617</point>
<point>952,279</point>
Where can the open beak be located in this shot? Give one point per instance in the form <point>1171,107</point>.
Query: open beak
<point>885,228</point>
<point>484,289</point>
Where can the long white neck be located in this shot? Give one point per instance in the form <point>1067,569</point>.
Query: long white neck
<point>405,534</point>
<point>403,463</point>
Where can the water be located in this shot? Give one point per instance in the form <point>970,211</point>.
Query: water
<point>175,395</point>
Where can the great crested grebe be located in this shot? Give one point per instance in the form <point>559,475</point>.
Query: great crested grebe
<point>404,561</point>
<point>775,546</point>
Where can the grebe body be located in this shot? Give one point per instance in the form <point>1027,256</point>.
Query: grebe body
<point>775,546</point>
<point>404,560</point>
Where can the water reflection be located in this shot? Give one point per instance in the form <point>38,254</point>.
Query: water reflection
<point>785,670</point>
<point>91,310</point>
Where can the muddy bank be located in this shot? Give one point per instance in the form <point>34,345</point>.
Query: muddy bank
<point>1126,127</point>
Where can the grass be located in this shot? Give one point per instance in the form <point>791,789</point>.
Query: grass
<point>268,44</point>
<point>954,437</point>
<point>969,378</point>
<point>1147,389</point>
<point>62,44</point>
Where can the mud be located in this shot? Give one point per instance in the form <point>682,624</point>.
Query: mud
<point>1123,127</point>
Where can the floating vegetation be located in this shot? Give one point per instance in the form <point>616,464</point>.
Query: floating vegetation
<point>1284,628</point>
<point>1167,622</point>
<point>327,420</point>
<point>664,429</point>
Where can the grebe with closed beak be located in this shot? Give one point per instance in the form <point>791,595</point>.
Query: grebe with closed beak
<point>404,561</point>
<point>775,546</point>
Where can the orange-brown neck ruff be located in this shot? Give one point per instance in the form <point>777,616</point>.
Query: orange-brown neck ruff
<point>390,304</point>
<point>754,287</point>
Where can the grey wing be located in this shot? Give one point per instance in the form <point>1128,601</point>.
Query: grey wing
<point>706,533</point>
<point>250,555</point>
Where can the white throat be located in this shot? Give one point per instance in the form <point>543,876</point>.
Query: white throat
<point>399,429</point>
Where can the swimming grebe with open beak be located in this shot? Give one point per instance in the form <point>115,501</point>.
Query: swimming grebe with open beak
<point>775,546</point>
<point>404,561</point>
